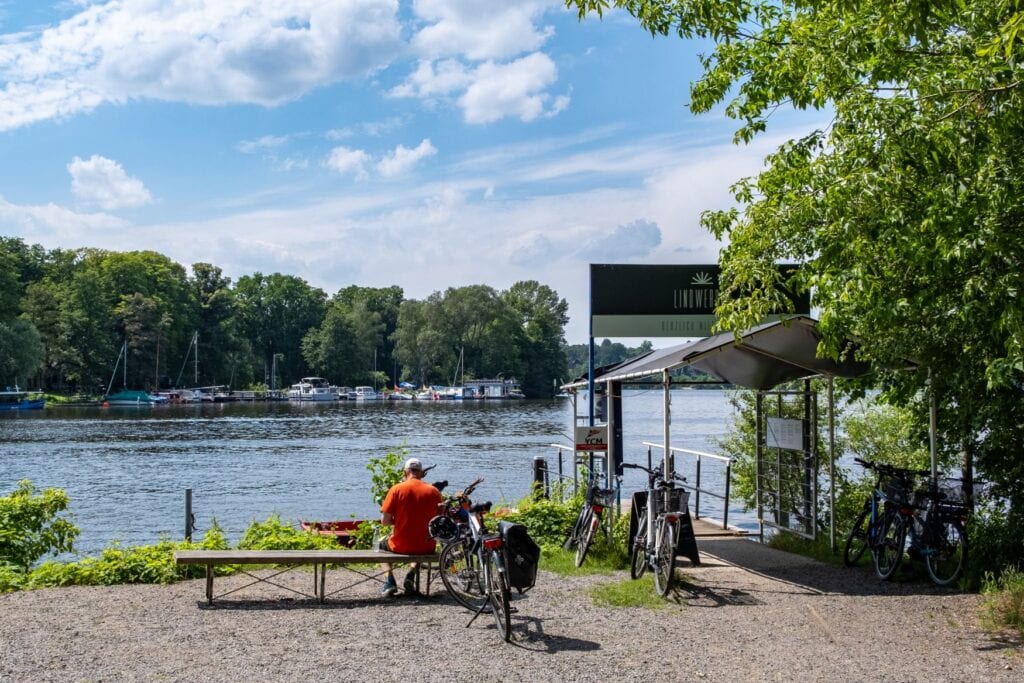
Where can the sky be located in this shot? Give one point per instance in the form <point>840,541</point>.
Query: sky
<point>426,143</point>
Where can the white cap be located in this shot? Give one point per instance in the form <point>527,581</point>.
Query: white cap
<point>413,464</point>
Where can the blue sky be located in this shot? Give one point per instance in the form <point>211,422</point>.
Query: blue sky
<point>425,144</point>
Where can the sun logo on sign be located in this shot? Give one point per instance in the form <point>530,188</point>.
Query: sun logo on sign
<point>702,278</point>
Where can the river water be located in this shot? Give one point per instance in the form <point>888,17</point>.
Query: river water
<point>126,469</point>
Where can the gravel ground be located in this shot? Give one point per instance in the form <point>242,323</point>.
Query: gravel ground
<point>748,613</point>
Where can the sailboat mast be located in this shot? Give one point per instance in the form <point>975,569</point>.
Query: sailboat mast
<point>195,342</point>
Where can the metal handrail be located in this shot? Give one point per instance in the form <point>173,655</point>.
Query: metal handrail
<point>696,486</point>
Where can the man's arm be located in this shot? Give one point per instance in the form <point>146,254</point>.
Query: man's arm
<point>387,519</point>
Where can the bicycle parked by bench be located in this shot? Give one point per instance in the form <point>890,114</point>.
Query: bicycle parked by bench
<point>479,568</point>
<point>654,545</point>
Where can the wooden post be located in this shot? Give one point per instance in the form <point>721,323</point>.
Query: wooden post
<point>188,515</point>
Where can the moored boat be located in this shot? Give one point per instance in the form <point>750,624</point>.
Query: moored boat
<point>312,389</point>
<point>19,400</point>
<point>367,394</point>
<point>131,397</point>
<point>343,531</point>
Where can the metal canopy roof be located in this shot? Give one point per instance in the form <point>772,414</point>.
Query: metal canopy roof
<point>763,357</point>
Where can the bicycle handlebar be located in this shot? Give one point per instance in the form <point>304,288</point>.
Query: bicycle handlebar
<point>652,472</point>
<point>886,468</point>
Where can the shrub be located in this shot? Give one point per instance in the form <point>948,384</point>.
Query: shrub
<point>273,534</point>
<point>33,525</point>
<point>1004,599</point>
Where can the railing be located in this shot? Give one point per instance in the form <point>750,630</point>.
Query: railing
<point>696,487</point>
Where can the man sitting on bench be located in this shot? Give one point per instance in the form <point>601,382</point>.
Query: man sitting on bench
<point>408,508</point>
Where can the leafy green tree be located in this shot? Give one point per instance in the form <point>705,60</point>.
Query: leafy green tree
<point>41,307</point>
<point>419,346</point>
<point>905,210</point>
<point>542,317</point>
<point>384,304</point>
<point>275,312</point>
<point>21,352</point>
<point>221,346</point>
<point>89,341</point>
<point>33,524</point>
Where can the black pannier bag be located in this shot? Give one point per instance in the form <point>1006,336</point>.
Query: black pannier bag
<point>522,553</point>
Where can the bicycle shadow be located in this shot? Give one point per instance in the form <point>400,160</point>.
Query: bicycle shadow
<point>797,574</point>
<point>528,634</point>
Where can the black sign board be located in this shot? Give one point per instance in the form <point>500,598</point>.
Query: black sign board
<point>658,301</point>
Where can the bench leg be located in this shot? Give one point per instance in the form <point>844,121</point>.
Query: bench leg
<point>323,581</point>
<point>209,584</point>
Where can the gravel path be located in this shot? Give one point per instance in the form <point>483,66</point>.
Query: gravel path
<point>747,613</point>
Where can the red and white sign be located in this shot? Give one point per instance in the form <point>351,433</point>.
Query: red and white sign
<point>592,438</point>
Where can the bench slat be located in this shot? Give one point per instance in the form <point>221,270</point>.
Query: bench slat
<point>295,557</point>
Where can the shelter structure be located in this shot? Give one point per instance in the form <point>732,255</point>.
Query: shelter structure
<point>761,358</point>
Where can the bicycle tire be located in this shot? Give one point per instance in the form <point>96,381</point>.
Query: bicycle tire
<point>638,553</point>
<point>572,539</point>
<point>586,537</point>
<point>498,593</point>
<point>888,551</point>
<point>665,560</point>
<point>460,575</point>
<point>857,540</point>
<point>946,559</point>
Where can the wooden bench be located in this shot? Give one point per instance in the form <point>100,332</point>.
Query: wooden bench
<point>289,559</point>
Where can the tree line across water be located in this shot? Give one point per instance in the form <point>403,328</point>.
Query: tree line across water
<point>66,314</point>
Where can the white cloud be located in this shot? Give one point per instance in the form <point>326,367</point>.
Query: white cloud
<point>198,51</point>
<point>402,159</point>
<point>637,238</point>
<point>480,30</point>
<point>514,89</point>
<point>265,143</point>
<point>433,79</point>
<point>103,182</point>
<point>55,226</point>
<point>349,162</point>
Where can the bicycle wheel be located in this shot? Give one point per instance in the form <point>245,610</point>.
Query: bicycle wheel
<point>461,575</point>
<point>946,558</point>
<point>857,539</point>
<point>498,594</point>
<point>572,540</point>
<point>586,536</point>
<point>638,553</point>
<point>888,552</point>
<point>665,561</point>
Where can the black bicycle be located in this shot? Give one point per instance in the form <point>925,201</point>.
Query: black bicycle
<point>588,521</point>
<point>874,529</point>
<point>657,530</point>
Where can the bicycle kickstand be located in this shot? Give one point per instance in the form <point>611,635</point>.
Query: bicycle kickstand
<point>478,613</point>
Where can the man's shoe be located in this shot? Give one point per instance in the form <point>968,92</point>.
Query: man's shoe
<point>410,582</point>
<point>389,588</point>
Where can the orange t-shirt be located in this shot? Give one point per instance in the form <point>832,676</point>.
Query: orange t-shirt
<point>412,503</point>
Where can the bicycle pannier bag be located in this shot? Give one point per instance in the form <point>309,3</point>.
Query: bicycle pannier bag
<point>523,555</point>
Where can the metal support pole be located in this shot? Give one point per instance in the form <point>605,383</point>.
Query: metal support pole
<point>188,515</point>
<point>696,496</point>
<point>832,465</point>
<point>758,455</point>
<point>933,421</point>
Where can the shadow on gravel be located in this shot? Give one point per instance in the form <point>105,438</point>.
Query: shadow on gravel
<point>271,604</point>
<point>805,575</point>
<point>528,634</point>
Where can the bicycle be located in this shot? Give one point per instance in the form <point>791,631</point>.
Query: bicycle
<point>588,522</point>
<point>934,526</point>
<point>457,562</point>
<point>473,563</point>
<point>654,545</point>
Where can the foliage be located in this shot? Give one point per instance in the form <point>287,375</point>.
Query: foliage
<point>386,471</point>
<point>273,534</point>
<point>904,209</point>
<point>994,532</point>
<point>1004,600</point>
<point>21,352</point>
<point>64,316</point>
<point>34,524</point>
<point>548,520</point>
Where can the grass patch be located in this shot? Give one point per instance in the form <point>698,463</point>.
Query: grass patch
<point>560,561</point>
<point>627,593</point>
<point>1004,600</point>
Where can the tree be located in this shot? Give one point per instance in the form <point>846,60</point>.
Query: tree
<point>21,352</point>
<point>275,313</point>
<point>542,317</point>
<point>905,211</point>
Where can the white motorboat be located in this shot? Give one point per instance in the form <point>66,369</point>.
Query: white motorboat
<point>312,389</point>
<point>367,394</point>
